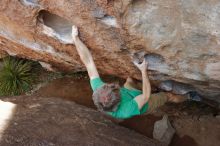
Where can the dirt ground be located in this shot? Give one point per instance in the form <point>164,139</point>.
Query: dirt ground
<point>195,124</point>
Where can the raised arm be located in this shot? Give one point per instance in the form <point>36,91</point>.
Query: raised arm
<point>85,55</point>
<point>143,98</point>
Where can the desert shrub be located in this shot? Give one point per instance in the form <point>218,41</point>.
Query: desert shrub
<point>16,76</point>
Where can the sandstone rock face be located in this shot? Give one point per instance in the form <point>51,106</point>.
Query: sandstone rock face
<point>181,37</point>
<point>54,122</point>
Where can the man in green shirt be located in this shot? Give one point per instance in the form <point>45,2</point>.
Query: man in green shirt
<point>121,102</point>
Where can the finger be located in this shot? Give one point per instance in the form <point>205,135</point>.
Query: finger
<point>136,64</point>
<point>74,27</point>
<point>144,62</point>
<point>147,63</point>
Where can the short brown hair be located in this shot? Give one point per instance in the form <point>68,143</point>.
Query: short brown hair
<point>107,97</point>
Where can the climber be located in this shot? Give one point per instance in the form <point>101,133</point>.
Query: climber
<point>121,102</point>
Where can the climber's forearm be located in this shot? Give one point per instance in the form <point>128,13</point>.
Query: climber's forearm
<point>83,51</point>
<point>143,98</point>
<point>146,86</point>
<point>86,58</point>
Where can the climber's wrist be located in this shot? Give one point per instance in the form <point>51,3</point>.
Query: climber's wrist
<point>75,38</point>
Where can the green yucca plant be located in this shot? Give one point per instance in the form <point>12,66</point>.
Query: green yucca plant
<point>16,76</point>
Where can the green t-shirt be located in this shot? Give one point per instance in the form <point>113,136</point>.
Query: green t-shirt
<point>128,107</point>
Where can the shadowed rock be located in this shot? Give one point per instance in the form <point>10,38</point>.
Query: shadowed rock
<point>56,26</point>
<point>51,121</point>
<point>155,61</point>
<point>176,87</point>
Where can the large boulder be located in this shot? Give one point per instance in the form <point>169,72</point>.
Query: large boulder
<point>181,37</point>
<point>35,121</point>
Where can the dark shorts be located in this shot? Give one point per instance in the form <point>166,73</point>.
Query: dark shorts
<point>156,100</point>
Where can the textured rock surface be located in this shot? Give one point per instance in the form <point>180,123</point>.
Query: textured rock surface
<point>163,131</point>
<point>50,121</point>
<point>182,34</point>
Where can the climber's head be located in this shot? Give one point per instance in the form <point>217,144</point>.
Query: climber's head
<point>107,97</point>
